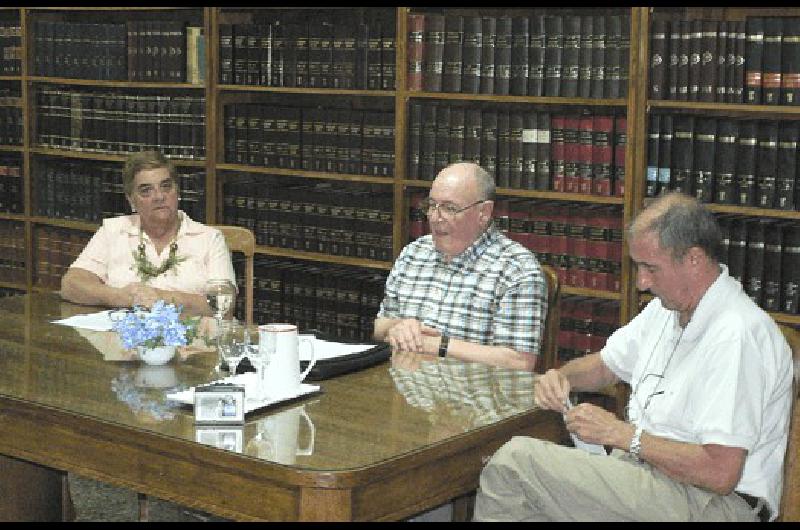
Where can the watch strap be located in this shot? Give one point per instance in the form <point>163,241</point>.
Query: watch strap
<point>443,345</point>
<point>636,444</point>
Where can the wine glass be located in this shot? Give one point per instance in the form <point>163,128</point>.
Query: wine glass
<point>219,295</point>
<point>231,346</point>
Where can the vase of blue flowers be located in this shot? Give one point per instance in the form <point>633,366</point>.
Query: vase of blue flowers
<point>155,333</point>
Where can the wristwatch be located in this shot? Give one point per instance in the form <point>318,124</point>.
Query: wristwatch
<point>443,345</point>
<point>636,444</point>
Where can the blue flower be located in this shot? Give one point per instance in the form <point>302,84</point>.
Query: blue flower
<point>160,326</point>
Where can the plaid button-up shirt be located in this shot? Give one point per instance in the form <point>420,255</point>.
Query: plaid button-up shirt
<point>493,293</point>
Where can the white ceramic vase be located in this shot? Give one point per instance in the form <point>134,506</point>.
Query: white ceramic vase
<point>158,355</point>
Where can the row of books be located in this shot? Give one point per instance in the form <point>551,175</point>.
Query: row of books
<point>764,255</point>
<point>310,138</point>
<point>10,49</point>
<point>120,123</point>
<point>522,149</point>
<point>724,160</point>
<point>541,55</point>
<point>10,125</point>
<point>11,199</point>
<point>317,53</point>
<point>337,300</point>
<point>137,50</point>
<point>584,326</point>
<point>12,252</point>
<point>354,221</point>
<point>8,291</point>
<point>755,61</point>
<point>55,250</point>
<point>92,191</point>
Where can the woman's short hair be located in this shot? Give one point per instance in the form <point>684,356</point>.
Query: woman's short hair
<point>145,161</point>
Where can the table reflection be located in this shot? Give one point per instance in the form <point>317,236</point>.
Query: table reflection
<point>470,394</point>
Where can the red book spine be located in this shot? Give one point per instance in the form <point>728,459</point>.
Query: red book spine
<point>417,221</point>
<point>558,243</point>
<point>501,215</point>
<point>415,51</point>
<point>602,155</point>
<point>620,141</point>
<point>585,154</point>
<point>557,150</point>
<point>571,153</point>
<point>518,222</point>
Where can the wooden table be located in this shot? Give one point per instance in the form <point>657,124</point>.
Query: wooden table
<point>388,442</point>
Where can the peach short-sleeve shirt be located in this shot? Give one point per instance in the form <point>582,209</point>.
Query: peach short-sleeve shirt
<point>109,255</point>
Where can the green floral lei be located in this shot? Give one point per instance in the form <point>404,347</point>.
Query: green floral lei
<point>146,270</point>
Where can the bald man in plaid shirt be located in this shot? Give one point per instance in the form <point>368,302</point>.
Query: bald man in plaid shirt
<point>465,291</point>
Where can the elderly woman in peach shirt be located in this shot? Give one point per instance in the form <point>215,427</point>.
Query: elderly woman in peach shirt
<point>157,253</point>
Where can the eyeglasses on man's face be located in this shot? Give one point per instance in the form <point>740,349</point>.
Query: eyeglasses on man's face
<point>447,210</point>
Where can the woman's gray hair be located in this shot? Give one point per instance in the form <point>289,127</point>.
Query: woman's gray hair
<point>681,222</point>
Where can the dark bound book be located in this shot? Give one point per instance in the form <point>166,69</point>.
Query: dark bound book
<point>771,61</point>
<point>674,59</point>
<point>599,57</point>
<point>738,83</point>
<point>773,247</point>
<point>529,148</point>
<point>705,137</point>
<point>571,56</point>
<point>441,154</point>
<point>434,52</point>
<point>388,57</point>
<point>456,149</point>
<point>554,29</point>
<point>653,144</point>
<point>721,89</point>
<point>585,57</point>
<point>786,172</point>
<point>452,54</point>
<point>624,56</point>
<point>613,38</point>
<point>520,40</point>
<point>754,261</point>
<point>725,163</point>
<point>767,163</point>
<point>414,140</point>
<point>684,50</point>
<point>683,153</point>
<point>665,154</point>
<point>489,140</point>
<point>746,150</point>
<point>374,57</point>
<point>415,51</point>
<point>558,151</point>
<point>503,173</point>
<point>658,58</point>
<point>790,269</point>
<point>754,56</point>
<point>543,153</point>
<point>516,158</point>
<point>695,55</point>
<point>427,156</point>
<point>488,46</point>
<point>708,61</point>
<point>737,249</point>
<point>471,55</point>
<point>536,55</point>
<point>473,130</point>
<point>790,62</point>
<point>502,57</point>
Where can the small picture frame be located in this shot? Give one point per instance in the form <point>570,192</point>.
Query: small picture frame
<point>219,404</point>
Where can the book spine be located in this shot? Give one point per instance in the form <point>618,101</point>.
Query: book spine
<point>695,55</point>
<point>771,61</point>
<point>585,175</point>
<point>558,154</point>
<point>585,57</point>
<point>489,141</point>
<point>725,164</point>
<point>537,55</point>
<point>613,39</point>
<point>489,44</point>
<point>739,67</point>
<point>452,54</point>
<point>414,140</point>
<point>708,61</point>
<point>473,131</point>
<point>543,181</point>
<point>790,269</point>
<point>684,51</point>
<point>767,163</point>
<point>374,67</point>
<point>516,158</point>
<point>554,29</point>
<point>786,171</point>
<point>415,51</point>
<point>754,261</point>
<point>653,137</point>
<point>721,89</point>
<point>599,57</point>
<point>529,146</point>
<point>658,58</point>
<point>620,142</point>
<point>503,149</point>
<point>746,150</point>
<point>434,52</point>
<point>520,42</point>
<point>665,154</point>
<point>457,125</point>
<point>771,287</point>
<point>683,153</point>
<point>427,159</point>
<point>705,140</point>
<point>441,153</point>
<point>388,57</point>
<point>571,56</point>
<point>674,45</point>
<point>790,62</point>
<point>737,249</point>
<point>502,70</point>
<point>471,55</point>
<point>624,56</point>
<point>754,54</point>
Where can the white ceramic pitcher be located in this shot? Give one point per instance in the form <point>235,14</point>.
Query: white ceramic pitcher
<point>280,344</point>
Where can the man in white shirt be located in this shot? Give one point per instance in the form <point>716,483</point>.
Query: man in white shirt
<point>708,416</point>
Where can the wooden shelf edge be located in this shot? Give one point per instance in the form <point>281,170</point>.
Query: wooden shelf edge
<point>754,211</point>
<point>785,318</point>
<point>8,216</point>
<point>305,174</point>
<point>723,107</point>
<point>548,100</point>
<point>306,90</point>
<point>86,226</point>
<point>106,157</point>
<point>11,148</point>
<point>326,258</point>
<point>110,83</point>
<point>13,285</point>
<point>594,293</point>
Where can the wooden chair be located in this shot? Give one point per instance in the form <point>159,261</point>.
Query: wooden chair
<point>552,322</point>
<point>242,240</point>
<point>790,500</point>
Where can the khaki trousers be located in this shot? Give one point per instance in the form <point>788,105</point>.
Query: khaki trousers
<point>535,480</point>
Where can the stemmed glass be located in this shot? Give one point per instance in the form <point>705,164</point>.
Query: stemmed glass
<point>232,348</point>
<point>219,295</point>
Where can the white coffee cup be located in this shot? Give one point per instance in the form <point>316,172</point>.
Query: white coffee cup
<point>280,344</point>
<point>279,437</point>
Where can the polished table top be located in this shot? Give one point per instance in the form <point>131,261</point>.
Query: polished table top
<point>358,421</point>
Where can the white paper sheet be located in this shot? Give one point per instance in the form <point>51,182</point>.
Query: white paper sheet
<point>324,349</point>
<point>595,449</point>
<point>100,321</point>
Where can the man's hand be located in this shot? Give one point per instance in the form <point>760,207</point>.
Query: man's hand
<point>406,335</point>
<point>594,424</point>
<point>551,391</point>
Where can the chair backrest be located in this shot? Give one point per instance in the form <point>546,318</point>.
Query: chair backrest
<point>242,240</point>
<point>552,323</point>
<point>790,500</point>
